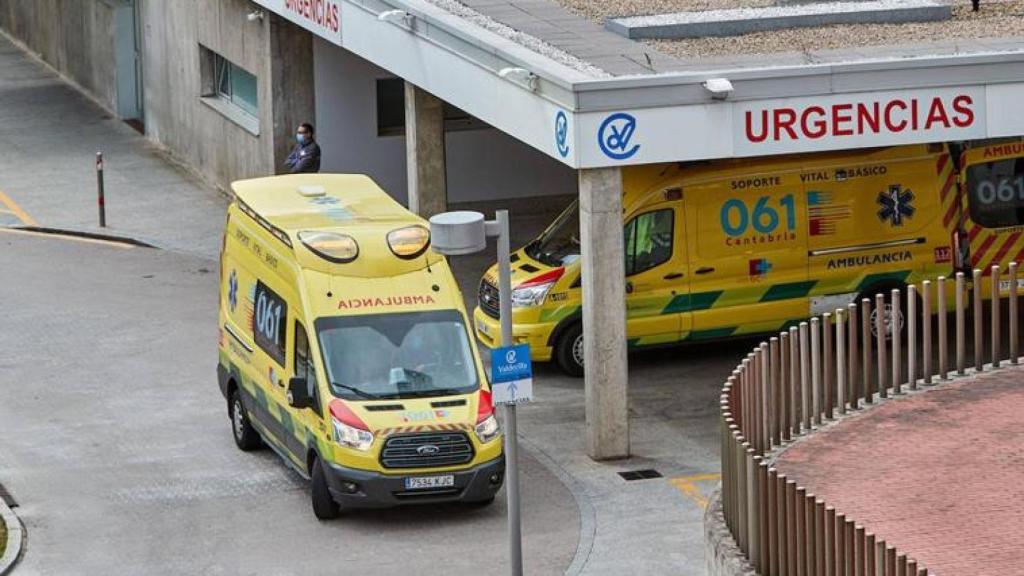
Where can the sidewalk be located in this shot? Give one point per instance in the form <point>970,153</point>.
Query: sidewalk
<point>50,133</point>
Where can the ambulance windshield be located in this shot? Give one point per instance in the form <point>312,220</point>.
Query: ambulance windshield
<point>559,245</point>
<point>996,193</point>
<point>407,355</point>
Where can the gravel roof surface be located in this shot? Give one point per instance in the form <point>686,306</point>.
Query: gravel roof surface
<point>816,8</point>
<point>995,20</point>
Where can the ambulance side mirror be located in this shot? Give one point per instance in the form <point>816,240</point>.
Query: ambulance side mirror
<point>298,394</point>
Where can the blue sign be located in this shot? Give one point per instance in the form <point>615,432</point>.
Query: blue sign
<point>233,290</point>
<point>562,133</point>
<point>615,134</point>
<point>511,374</point>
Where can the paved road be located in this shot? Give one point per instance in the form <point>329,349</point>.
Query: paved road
<point>113,438</point>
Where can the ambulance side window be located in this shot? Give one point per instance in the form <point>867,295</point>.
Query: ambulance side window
<point>648,239</point>
<point>303,363</point>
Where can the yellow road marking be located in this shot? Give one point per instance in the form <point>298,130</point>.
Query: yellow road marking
<point>68,237</point>
<point>688,486</point>
<point>16,210</point>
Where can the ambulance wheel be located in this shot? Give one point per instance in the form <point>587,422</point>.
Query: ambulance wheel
<point>246,437</point>
<point>569,350</point>
<point>887,320</point>
<point>324,506</point>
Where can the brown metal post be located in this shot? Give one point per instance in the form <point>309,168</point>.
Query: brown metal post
<point>816,369</point>
<point>830,541</point>
<point>883,364</point>
<point>912,336</point>
<point>880,557</point>
<point>896,340</point>
<point>859,551</point>
<point>764,519</point>
<point>775,401</point>
<point>800,538</point>
<point>773,522</point>
<point>997,309</point>
<point>979,319</point>
<point>791,532</point>
<point>853,392</point>
<point>805,376</point>
<point>841,345</point>
<point>869,555</point>
<point>820,521</point>
<point>926,329</point>
<point>827,393</point>
<point>794,379</point>
<point>865,337</point>
<point>754,540</point>
<point>890,561</point>
<point>959,299</point>
<point>1012,318</point>
<point>787,400</point>
<point>901,565</point>
<point>940,291</point>
<point>841,544</point>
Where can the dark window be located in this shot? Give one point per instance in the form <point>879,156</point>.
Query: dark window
<point>996,193</point>
<point>304,368</point>
<point>391,111</point>
<point>648,239</point>
<point>269,322</point>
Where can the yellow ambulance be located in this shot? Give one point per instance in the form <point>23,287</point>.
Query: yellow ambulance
<point>345,347</point>
<point>723,249</point>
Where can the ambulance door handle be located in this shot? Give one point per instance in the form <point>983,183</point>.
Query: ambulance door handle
<point>705,270</point>
<point>673,275</point>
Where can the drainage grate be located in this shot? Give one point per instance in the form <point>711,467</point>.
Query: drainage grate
<point>645,474</point>
<point>7,498</point>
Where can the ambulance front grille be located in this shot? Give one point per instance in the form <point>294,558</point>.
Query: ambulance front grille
<point>488,299</point>
<point>408,450</point>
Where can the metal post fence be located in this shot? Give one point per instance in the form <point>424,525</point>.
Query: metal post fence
<point>798,380</point>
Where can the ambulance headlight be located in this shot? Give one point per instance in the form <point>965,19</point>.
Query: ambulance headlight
<point>488,429</point>
<point>339,248</point>
<point>409,242</point>
<point>351,437</point>
<point>527,296</point>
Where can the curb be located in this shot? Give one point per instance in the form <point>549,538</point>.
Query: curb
<point>15,538</point>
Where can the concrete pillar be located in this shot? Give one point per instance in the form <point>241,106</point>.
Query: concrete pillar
<point>604,313</point>
<point>424,152</point>
<point>291,86</point>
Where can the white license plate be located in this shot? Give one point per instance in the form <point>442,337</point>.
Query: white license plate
<point>1004,285</point>
<point>430,482</point>
<point>482,327</point>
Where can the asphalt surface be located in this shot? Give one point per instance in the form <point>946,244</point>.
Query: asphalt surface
<point>115,441</point>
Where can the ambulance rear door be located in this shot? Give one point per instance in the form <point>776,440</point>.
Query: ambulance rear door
<point>993,187</point>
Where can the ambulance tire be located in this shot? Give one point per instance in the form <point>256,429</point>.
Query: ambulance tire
<point>324,505</point>
<point>246,437</point>
<point>887,291</point>
<point>569,350</point>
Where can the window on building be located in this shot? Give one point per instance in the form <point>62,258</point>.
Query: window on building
<point>391,111</point>
<point>229,89</point>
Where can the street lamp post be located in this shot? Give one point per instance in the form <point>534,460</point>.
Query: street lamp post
<point>463,232</point>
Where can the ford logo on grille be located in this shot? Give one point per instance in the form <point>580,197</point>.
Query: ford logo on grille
<point>427,450</point>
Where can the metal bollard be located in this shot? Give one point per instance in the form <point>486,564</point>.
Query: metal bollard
<point>997,309</point>
<point>775,396</point>
<point>880,557</point>
<point>1012,318</point>
<point>753,549</point>
<point>828,366</point>
<point>896,341</point>
<point>940,291</point>
<point>764,485</point>
<point>979,319</point>
<point>794,379</point>
<point>869,554</point>
<point>912,336</point>
<point>901,565</point>
<point>840,555</point>
<point>841,345</point>
<point>815,369</point>
<point>859,550</point>
<point>100,201</point>
<point>784,411</point>
<point>791,543</point>
<point>853,392</point>
<point>850,547</point>
<point>961,325</point>
<point>779,542</point>
<point>811,536</point>
<point>820,520</point>
<point>766,392</point>
<point>883,364</point>
<point>799,554</point>
<point>805,376</point>
<point>830,541</point>
<point>926,328</point>
<point>865,337</point>
<point>890,561</point>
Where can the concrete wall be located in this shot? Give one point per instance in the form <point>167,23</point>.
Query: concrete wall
<point>482,164</point>
<point>76,37</point>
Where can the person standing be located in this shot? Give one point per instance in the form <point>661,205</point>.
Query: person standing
<point>305,157</point>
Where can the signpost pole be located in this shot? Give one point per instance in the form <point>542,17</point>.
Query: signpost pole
<point>511,429</point>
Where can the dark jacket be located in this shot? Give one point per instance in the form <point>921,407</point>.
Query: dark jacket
<point>304,158</point>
